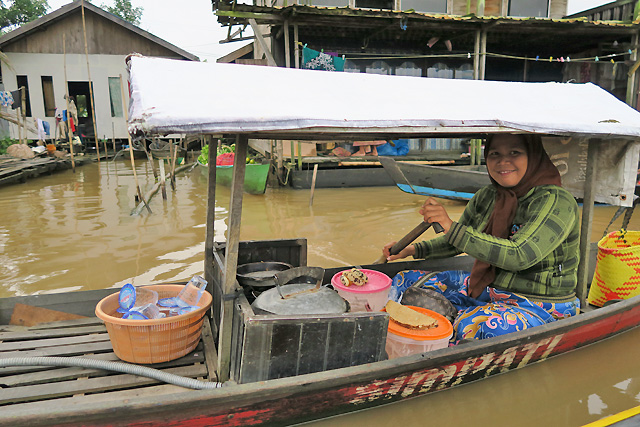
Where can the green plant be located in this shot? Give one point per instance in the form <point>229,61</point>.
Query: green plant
<point>6,142</point>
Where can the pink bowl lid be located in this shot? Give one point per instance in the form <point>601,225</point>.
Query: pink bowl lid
<point>377,282</point>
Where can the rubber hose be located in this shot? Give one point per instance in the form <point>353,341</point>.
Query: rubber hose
<point>126,368</point>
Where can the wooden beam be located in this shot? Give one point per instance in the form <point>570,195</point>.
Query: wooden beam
<point>287,48</point>
<point>262,43</point>
<point>483,53</point>
<point>231,258</point>
<point>587,219</point>
<point>476,55</point>
<point>248,15</point>
<point>632,77</point>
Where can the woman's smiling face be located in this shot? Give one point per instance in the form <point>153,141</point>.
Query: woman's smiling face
<point>507,160</point>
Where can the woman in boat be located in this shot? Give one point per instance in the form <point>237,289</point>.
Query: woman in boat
<point>523,232</point>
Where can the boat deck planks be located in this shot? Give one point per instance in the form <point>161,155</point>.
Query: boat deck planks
<point>87,337</point>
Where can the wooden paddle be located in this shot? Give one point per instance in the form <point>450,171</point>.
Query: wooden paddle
<point>410,237</point>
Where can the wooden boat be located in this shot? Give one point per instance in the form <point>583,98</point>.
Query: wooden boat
<point>279,369</point>
<point>446,182</point>
<point>255,176</point>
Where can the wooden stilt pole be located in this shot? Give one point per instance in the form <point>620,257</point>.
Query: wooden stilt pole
<point>313,183</point>
<point>66,91</point>
<point>113,137</point>
<point>162,179</point>
<point>174,156</point>
<point>133,164</point>
<point>93,105</point>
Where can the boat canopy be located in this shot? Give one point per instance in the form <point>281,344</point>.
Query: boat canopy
<point>174,96</point>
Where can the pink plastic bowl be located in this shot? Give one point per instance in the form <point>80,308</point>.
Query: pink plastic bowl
<point>370,297</point>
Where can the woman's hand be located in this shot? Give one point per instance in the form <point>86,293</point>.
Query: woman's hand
<point>433,211</point>
<point>408,251</point>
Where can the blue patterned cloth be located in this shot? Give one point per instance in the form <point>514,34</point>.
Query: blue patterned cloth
<point>6,99</point>
<point>492,314</point>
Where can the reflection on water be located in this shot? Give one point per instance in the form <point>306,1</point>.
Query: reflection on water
<point>74,231</point>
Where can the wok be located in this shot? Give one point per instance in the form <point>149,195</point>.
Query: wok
<point>259,276</point>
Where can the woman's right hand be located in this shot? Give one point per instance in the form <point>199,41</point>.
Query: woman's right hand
<point>410,250</point>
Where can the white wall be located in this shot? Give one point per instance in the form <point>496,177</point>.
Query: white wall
<point>36,65</point>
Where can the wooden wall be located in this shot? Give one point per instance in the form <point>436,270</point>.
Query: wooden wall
<point>558,8</point>
<point>103,37</point>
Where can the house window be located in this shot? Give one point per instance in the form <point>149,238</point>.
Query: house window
<point>48,97</point>
<point>23,81</point>
<point>335,3</point>
<point>375,4</point>
<point>115,96</point>
<point>531,8</point>
<point>428,6</point>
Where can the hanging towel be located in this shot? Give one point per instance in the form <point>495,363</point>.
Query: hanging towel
<point>72,126</point>
<point>314,60</point>
<point>47,127</point>
<point>17,99</point>
<point>41,135</point>
<point>6,99</point>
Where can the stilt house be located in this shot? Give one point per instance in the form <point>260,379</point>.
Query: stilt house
<point>48,51</point>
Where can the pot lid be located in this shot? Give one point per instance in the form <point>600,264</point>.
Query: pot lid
<point>301,298</point>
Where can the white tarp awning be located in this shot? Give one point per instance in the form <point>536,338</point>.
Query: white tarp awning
<point>173,96</point>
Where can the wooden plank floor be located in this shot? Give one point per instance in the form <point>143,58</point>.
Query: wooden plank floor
<point>26,386</point>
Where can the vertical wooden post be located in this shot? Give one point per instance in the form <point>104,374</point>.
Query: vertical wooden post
<point>133,163</point>
<point>210,222</point>
<point>23,111</point>
<point>231,257</point>
<point>66,91</point>
<point>296,45</point>
<point>632,77</point>
<point>587,219</point>
<point>113,137</point>
<point>287,49</point>
<point>313,184</point>
<point>93,105</point>
<point>174,156</point>
<point>476,55</point>
<point>162,180</point>
<point>483,53</point>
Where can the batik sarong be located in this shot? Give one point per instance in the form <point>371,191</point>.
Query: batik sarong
<point>492,314</point>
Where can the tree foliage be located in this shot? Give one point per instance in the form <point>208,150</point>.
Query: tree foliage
<point>17,12</point>
<point>125,10</point>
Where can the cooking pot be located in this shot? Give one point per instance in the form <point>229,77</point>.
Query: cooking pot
<point>307,296</point>
<point>259,276</point>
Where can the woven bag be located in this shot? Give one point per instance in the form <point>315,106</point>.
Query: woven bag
<point>617,274</point>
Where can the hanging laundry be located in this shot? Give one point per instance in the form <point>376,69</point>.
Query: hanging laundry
<point>47,127</point>
<point>6,99</point>
<point>41,134</point>
<point>17,99</point>
<point>314,60</point>
<point>72,126</point>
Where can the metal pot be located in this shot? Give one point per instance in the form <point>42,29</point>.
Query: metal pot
<point>300,298</point>
<point>259,276</point>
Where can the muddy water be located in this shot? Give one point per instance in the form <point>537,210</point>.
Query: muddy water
<point>74,231</point>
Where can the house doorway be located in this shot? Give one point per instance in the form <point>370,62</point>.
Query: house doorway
<point>80,92</point>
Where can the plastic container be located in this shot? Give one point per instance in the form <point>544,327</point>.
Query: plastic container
<point>403,341</point>
<point>153,340</point>
<point>131,298</point>
<point>370,297</point>
<point>190,294</point>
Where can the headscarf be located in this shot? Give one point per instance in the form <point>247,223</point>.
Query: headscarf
<point>540,171</point>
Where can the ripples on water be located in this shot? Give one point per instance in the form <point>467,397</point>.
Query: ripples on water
<point>74,231</point>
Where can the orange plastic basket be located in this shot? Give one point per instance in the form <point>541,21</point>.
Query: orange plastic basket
<point>153,340</point>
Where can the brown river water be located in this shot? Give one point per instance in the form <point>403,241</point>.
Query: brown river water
<point>73,231</point>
